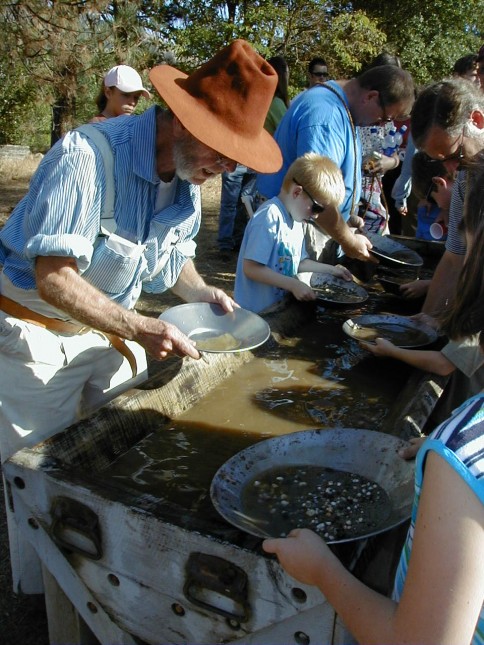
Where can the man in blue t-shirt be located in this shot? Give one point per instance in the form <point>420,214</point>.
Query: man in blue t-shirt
<point>323,120</point>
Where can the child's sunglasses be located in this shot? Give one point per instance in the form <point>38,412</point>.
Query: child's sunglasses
<point>316,208</point>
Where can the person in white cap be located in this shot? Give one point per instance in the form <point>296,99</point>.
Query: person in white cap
<point>120,92</point>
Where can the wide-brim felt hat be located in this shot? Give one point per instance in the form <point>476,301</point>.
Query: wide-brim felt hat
<point>224,104</point>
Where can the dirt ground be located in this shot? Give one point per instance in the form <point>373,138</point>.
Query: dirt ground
<point>22,618</point>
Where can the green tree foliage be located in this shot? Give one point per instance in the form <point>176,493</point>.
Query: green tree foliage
<point>428,35</point>
<point>296,29</point>
<point>54,54</point>
<point>64,47</point>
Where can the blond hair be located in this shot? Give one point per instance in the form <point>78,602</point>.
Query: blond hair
<point>320,176</point>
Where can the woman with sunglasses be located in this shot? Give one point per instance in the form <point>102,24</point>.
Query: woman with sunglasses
<point>273,251</point>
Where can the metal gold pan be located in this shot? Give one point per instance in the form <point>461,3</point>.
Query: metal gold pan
<point>401,331</point>
<point>330,288</point>
<point>215,330</point>
<point>362,452</point>
<point>393,253</point>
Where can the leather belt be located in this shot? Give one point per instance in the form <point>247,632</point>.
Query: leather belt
<point>64,327</point>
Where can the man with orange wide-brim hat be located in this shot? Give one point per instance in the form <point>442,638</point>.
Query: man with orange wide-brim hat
<point>114,207</point>
<point>224,104</point>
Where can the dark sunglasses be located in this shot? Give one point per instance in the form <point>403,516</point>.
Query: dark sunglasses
<point>316,208</point>
<point>320,74</point>
<point>458,155</point>
<point>455,156</point>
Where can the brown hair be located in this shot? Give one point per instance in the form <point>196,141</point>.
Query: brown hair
<point>423,170</point>
<point>393,83</point>
<point>282,69</point>
<point>466,315</point>
<point>101,98</point>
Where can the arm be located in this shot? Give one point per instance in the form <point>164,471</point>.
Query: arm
<point>60,284</point>
<point>262,273</point>
<point>444,588</point>
<point>403,186</point>
<point>443,283</point>
<point>311,266</point>
<point>415,289</point>
<point>429,361</point>
<point>191,287</point>
<point>331,142</point>
<point>354,246</point>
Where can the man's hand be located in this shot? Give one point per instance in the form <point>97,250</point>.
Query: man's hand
<point>217,296</point>
<point>358,247</point>
<point>191,287</point>
<point>160,339</point>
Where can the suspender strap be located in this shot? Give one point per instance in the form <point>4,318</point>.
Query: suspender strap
<point>108,224</point>
<point>17,310</point>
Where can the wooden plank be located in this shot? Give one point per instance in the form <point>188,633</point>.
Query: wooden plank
<point>148,558</point>
<point>85,603</point>
<point>65,623</point>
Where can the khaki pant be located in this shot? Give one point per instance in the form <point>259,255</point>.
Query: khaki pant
<point>47,382</point>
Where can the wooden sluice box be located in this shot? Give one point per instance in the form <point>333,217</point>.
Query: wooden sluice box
<point>144,557</point>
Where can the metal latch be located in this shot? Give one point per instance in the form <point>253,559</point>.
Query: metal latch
<point>217,585</point>
<point>76,527</point>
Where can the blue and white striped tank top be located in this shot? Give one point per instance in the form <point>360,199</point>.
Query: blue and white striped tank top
<point>460,441</point>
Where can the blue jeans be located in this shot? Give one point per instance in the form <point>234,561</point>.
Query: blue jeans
<point>232,218</point>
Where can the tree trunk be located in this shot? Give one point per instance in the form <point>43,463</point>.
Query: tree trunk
<point>63,112</point>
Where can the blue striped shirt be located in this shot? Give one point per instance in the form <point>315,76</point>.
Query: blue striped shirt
<point>460,441</point>
<point>60,215</point>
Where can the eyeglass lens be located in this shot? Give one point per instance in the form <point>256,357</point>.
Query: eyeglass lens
<point>316,208</point>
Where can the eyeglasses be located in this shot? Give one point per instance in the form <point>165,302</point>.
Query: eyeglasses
<point>316,209</point>
<point>320,74</point>
<point>384,117</point>
<point>458,155</point>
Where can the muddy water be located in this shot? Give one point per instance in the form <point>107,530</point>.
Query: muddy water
<point>319,378</point>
